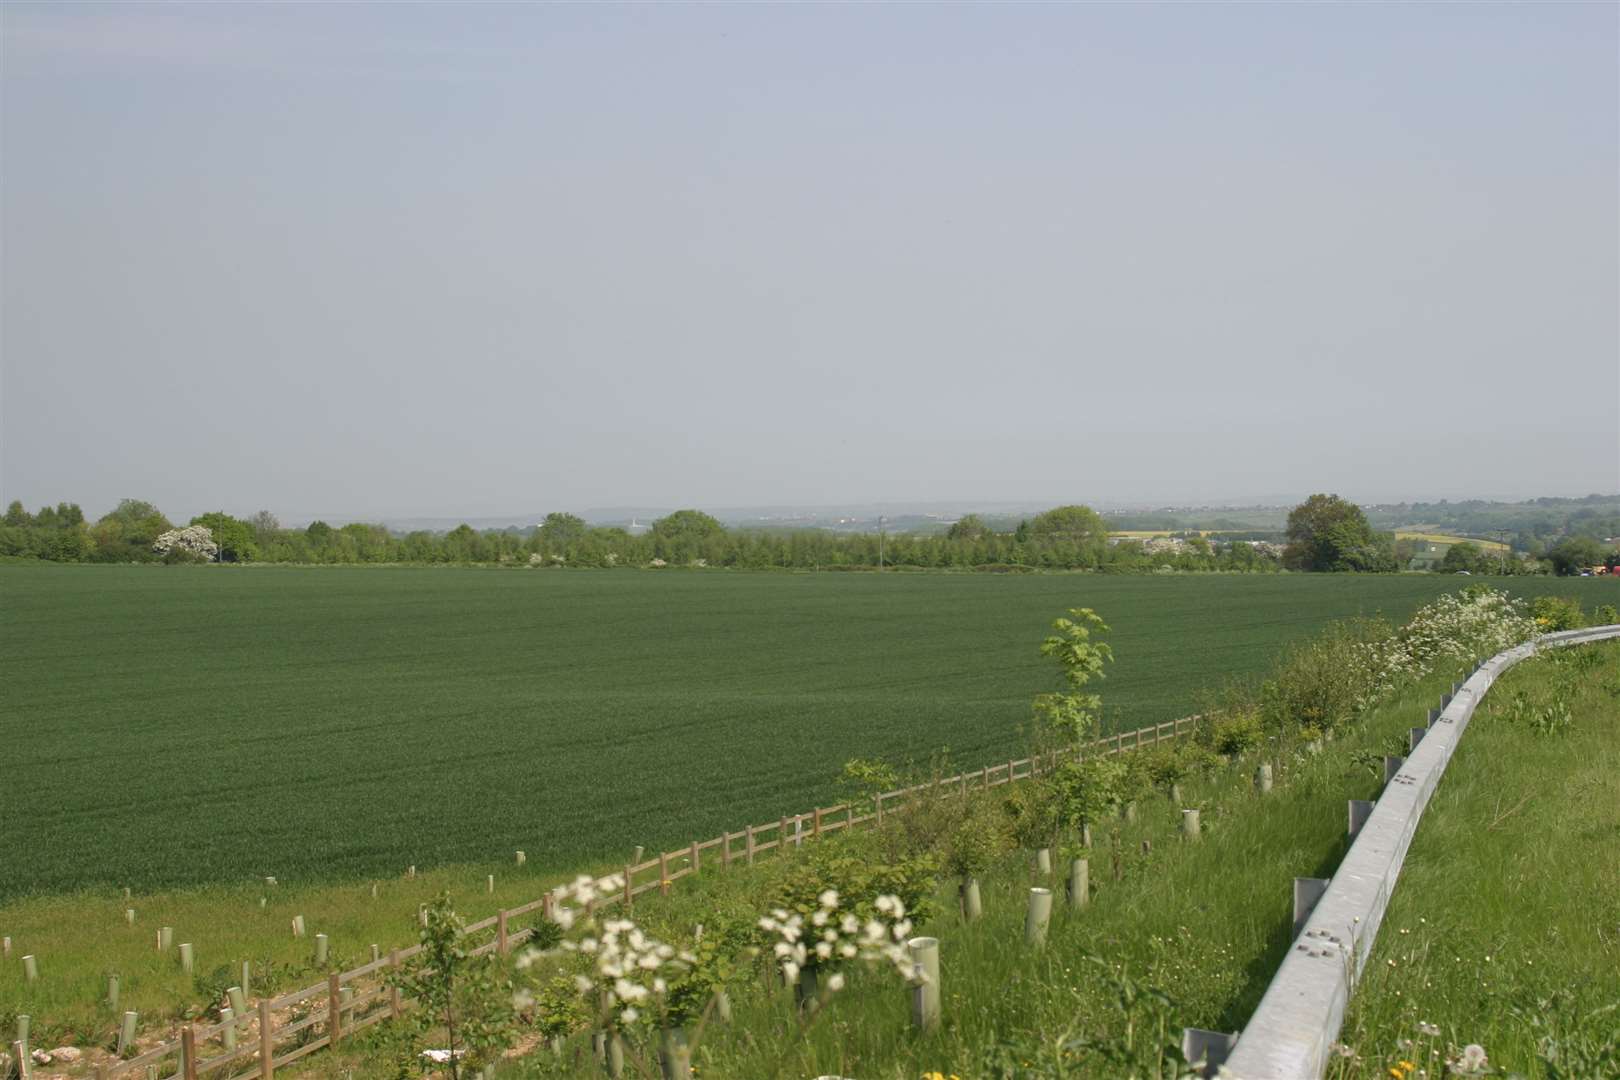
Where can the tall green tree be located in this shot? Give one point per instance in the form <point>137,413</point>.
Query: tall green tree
<point>967,527</point>
<point>1576,553</point>
<point>559,530</point>
<point>234,537</point>
<point>1327,533</point>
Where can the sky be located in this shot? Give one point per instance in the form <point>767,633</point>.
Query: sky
<point>371,260</point>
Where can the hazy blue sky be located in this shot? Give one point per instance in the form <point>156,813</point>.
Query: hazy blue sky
<point>368,260</point>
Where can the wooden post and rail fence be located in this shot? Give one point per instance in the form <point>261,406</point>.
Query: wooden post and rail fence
<point>296,1024</point>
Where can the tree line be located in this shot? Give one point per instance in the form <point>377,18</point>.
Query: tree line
<point>1325,533</point>
<point>1067,537</point>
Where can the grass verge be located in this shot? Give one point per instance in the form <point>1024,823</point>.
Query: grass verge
<point>1505,930</point>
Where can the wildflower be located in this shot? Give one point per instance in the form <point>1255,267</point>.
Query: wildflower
<point>1428,1029</point>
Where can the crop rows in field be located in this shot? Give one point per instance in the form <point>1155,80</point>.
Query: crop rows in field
<point>175,726</point>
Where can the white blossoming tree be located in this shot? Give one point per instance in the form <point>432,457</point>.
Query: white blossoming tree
<point>194,541</point>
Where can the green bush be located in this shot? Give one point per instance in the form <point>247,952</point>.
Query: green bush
<point>1553,613</point>
<point>1237,733</point>
<point>1032,811</point>
<point>1323,683</point>
<point>978,836</point>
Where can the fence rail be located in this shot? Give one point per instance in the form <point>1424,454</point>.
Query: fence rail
<point>1290,1035</point>
<point>263,1053</point>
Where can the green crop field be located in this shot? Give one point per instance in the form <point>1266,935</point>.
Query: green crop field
<point>170,726</point>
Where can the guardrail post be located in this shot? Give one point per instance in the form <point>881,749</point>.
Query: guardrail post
<point>1307,891</point>
<point>1414,736</point>
<point>1360,811</point>
<point>1206,1051</point>
<point>1392,767</point>
<point>1434,717</point>
<point>267,1041</point>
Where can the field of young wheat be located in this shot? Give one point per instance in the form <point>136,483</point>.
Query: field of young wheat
<point>169,726</point>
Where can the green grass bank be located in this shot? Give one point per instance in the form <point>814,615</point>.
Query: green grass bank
<point>1505,930</point>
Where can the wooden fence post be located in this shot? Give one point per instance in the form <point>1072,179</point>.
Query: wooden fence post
<point>879,803</point>
<point>500,933</point>
<point>816,827</point>
<point>188,1052</point>
<point>725,848</point>
<point>697,866</point>
<point>782,837</point>
<point>334,1009</point>
<point>750,845</point>
<point>663,873</point>
<point>394,1004</point>
<point>629,889</point>
<point>267,1041</point>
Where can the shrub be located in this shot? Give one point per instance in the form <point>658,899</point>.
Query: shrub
<point>1553,613</point>
<point>1237,732</point>
<point>556,1010</point>
<point>1083,792</point>
<point>1326,681</point>
<point>1032,812</point>
<point>856,872</point>
<point>978,836</point>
